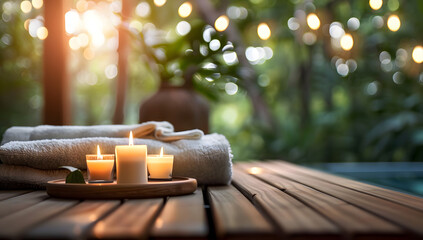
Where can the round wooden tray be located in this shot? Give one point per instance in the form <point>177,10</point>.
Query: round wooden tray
<point>177,186</point>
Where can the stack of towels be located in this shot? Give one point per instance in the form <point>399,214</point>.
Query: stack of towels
<point>31,156</point>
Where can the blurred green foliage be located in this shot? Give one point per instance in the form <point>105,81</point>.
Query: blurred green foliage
<point>370,114</point>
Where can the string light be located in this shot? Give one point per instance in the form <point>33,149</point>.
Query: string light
<point>42,33</point>
<point>313,21</point>
<point>394,23</point>
<point>375,4</point>
<point>159,3</point>
<point>26,6</point>
<point>263,31</point>
<point>347,42</point>
<point>37,4</point>
<point>185,9</point>
<point>221,23</point>
<point>418,54</point>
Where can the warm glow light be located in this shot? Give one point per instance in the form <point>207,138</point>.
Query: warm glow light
<point>313,21</point>
<point>71,21</point>
<point>185,9</point>
<point>88,54</point>
<point>263,31</point>
<point>83,39</point>
<point>37,4</point>
<point>81,5</point>
<point>418,54</point>
<point>221,23</point>
<point>375,4</point>
<point>161,152</point>
<point>255,170</point>
<point>94,25</point>
<point>26,6</point>
<point>42,33</point>
<point>99,156</point>
<point>394,23</point>
<point>26,24</point>
<point>347,42</point>
<point>159,3</point>
<point>74,43</point>
<point>131,139</point>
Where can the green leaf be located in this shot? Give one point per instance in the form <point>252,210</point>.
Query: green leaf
<point>75,175</point>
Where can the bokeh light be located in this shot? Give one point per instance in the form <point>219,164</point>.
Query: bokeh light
<point>335,30</point>
<point>394,23</point>
<point>221,23</point>
<point>353,23</point>
<point>74,43</point>
<point>159,3</point>
<point>263,31</point>
<point>37,4</point>
<point>185,9</point>
<point>313,21</point>
<point>293,24</point>
<point>309,38</point>
<point>71,21</point>
<point>347,42</point>
<point>42,33</point>
<point>418,54</point>
<point>231,88</point>
<point>375,4</point>
<point>26,6</point>
<point>183,28</point>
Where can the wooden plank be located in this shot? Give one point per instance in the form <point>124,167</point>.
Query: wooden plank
<point>293,217</point>
<point>5,194</point>
<point>14,225</point>
<point>235,217</point>
<point>390,195</point>
<point>182,217</point>
<point>20,202</point>
<point>130,221</point>
<point>354,221</point>
<point>405,217</point>
<point>75,222</point>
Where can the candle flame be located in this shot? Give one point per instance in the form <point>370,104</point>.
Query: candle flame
<point>161,152</point>
<point>99,156</point>
<point>131,139</point>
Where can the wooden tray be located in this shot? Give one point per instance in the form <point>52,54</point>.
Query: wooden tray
<point>177,186</point>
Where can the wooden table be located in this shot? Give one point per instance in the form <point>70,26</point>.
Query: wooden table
<point>268,200</point>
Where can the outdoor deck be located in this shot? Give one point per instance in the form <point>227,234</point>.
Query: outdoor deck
<point>268,200</point>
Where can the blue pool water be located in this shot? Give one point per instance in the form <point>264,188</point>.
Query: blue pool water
<point>405,177</point>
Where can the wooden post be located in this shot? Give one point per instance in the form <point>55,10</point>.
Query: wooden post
<point>55,79</point>
<point>123,52</point>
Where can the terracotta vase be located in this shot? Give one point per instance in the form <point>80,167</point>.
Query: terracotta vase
<point>179,105</point>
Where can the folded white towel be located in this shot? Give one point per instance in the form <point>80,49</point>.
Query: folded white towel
<point>209,160</point>
<point>162,131</point>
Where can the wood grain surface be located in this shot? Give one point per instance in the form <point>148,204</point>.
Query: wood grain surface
<point>266,200</point>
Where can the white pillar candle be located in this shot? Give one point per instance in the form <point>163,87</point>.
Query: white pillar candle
<point>131,163</point>
<point>160,166</point>
<point>100,167</point>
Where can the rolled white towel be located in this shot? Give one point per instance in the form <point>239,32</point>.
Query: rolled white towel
<point>209,159</point>
<point>162,131</point>
<point>21,177</point>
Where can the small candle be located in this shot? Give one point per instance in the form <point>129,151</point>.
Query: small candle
<point>131,163</point>
<point>100,167</point>
<point>160,166</point>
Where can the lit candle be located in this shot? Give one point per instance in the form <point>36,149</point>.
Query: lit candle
<point>131,163</point>
<point>100,167</point>
<point>160,166</point>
